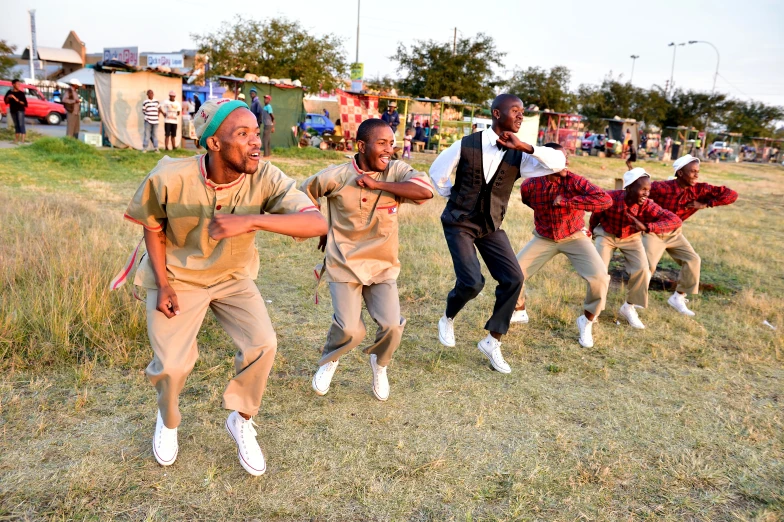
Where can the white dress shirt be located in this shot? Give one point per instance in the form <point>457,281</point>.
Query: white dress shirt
<point>542,162</point>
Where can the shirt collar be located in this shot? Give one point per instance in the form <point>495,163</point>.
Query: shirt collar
<point>489,137</point>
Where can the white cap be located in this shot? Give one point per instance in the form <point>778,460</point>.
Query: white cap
<point>75,82</point>
<point>633,175</point>
<point>683,161</point>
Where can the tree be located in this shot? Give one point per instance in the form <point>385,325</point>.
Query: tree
<point>689,108</point>
<point>615,97</point>
<point>277,48</point>
<point>431,70</point>
<point>752,118</point>
<point>545,89</point>
<point>6,61</point>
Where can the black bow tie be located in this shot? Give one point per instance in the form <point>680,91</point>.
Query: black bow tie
<point>500,147</point>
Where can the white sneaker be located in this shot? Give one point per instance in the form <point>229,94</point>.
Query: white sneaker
<point>678,301</point>
<point>585,328</point>
<point>164,443</point>
<point>491,347</point>
<point>446,331</point>
<point>380,381</point>
<point>248,450</point>
<point>323,377</point>
<point>629,311</point>
<point>519,316</point>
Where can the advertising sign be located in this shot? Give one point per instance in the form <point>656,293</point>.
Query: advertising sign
<point>175,61</point>
<point>126,55</point>
<point>357,71</point>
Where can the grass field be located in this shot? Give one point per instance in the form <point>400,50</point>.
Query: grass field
<point>681,421</point>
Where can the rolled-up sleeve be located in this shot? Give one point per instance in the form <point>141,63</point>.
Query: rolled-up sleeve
<point>414,176</point>
<point>442,168</point>
<point>148,206</point>
<point>542,162</point>
<point>283,196</point>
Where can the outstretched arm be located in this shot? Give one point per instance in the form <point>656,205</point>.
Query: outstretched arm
<point>302,225</point>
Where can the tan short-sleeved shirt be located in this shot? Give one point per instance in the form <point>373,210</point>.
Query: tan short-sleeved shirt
<point>178,197</point>
<point>362,243</point>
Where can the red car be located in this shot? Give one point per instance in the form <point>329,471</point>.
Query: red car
<point>37,106</point>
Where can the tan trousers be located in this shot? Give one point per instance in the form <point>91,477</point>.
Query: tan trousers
<point>635,262</point>
<point>681,252</point>
<point>584,258</point>
<point>240,310</point>
<point>72,125</point>
<point>348,328</point>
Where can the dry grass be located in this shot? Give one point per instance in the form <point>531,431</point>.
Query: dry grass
<point>682,421</point>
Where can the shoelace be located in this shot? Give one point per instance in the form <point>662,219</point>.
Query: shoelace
<point>247,428</point>
<point>497,356</point>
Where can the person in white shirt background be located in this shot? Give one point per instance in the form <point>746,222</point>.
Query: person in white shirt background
<point>171,118</point>
<point>487,165</point>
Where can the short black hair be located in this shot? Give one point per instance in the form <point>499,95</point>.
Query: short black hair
<point>502,100</point>
<point>368,127</point>
<point>553,145</point>
<point>15,81</point>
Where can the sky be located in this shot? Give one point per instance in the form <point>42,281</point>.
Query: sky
<point>592,39</point>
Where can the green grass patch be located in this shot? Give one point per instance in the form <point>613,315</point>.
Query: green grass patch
<point>7,134</point>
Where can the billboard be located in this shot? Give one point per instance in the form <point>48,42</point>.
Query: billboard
<point>175,61</point>
<point>126,55</point>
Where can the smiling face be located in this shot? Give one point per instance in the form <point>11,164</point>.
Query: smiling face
<point>689,175</point>
<point>237,142</point>
<point>378,149</point>
<point>508,116</point>
<point>639,191</point>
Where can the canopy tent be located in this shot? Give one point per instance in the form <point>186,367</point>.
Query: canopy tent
<point>120,97</point>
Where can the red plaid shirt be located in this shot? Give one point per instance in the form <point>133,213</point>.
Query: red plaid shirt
<point>579,195</point>
<point>674,198</point>
<point>615,220</point>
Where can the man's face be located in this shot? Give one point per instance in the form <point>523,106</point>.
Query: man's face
<point>390,108</point>
<point>149,94</point>
<point>510,115</point>
<point>253,94</point>
<point>377,151</point>
<point>172,97</point>
<point>267,99</point>
<point>238,141</point>
<point>15,85</point>
<point>640,190</point>
<point>690,174</point>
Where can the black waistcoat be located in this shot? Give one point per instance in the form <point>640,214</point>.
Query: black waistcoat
<point>472,198</point>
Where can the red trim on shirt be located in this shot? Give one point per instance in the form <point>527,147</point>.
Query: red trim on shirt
<point>310,208</point>
<point>156,229</point>
<point>423,183</point>
<point>203,171</point>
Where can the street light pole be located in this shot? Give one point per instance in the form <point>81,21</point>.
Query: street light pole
<point>634,59</point>
<point>713,90</point>
<point>357,56</point>
<point>672,70</point>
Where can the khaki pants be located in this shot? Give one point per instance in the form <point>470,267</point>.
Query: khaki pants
<point>240,310</point>
<point>73,125</point>
<point>584,258</point>
<point>635,262</point>
<point>348,329</point>
<point>681,252</point>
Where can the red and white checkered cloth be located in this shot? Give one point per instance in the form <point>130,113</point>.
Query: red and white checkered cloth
<point>354,109</point>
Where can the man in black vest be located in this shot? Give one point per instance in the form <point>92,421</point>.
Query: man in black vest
<point>488,164</point>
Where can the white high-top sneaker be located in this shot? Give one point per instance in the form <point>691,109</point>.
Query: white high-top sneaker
<point>678,301</point>
<point>248,450</point>
<point>629,311</point>
<point>446,331</point>
<point>164,443</point>
<point>380,381</point>
<point>323,377</point>
<point>520,316</point>
<point>585,327</point>
<point>491,348</point>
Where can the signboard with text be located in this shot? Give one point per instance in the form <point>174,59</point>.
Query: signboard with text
<point>175,61</point>
<point>126,55</point>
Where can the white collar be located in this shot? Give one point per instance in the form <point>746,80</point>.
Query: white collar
<point>489,137</point>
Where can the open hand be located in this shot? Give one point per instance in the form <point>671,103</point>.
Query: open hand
<point>698,205</point>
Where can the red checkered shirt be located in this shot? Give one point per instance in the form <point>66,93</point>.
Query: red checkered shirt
<point>674,198</point>
<point>579,195</point>
<point>615,220</point>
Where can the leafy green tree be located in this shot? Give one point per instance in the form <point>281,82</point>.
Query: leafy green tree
<point>689,108</point>
<point>752,119</point>
<point>6,61</point>
<point>277,48</point>
<point>430,69</point>
<point>545,89</point>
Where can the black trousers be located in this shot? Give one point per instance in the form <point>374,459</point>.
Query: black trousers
<point>464,239</point>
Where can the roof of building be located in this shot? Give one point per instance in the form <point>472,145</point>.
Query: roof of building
<point>85,75</point>
<point>54,54</point>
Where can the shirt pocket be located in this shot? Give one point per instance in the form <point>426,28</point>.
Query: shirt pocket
<point>386,213</point>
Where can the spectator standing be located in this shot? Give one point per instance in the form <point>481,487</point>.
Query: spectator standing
<point>268,121</point>
<point>171,117</point>
<point>391,116</point>
<point>73,107</point>
<point>196,104</point>
<point>187,120</point>
<point>16,102</point>
<point>407,144</point>
<point>255,105</point>
<point>150,110</point>
<point>326,113</point>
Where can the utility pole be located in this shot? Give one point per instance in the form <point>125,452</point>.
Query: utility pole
<point>672,71</point>
<point>634,59</point>
<point>713,90</point>
<point>33,45</point>
<point>454,43</point>
<point>357,57</point>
